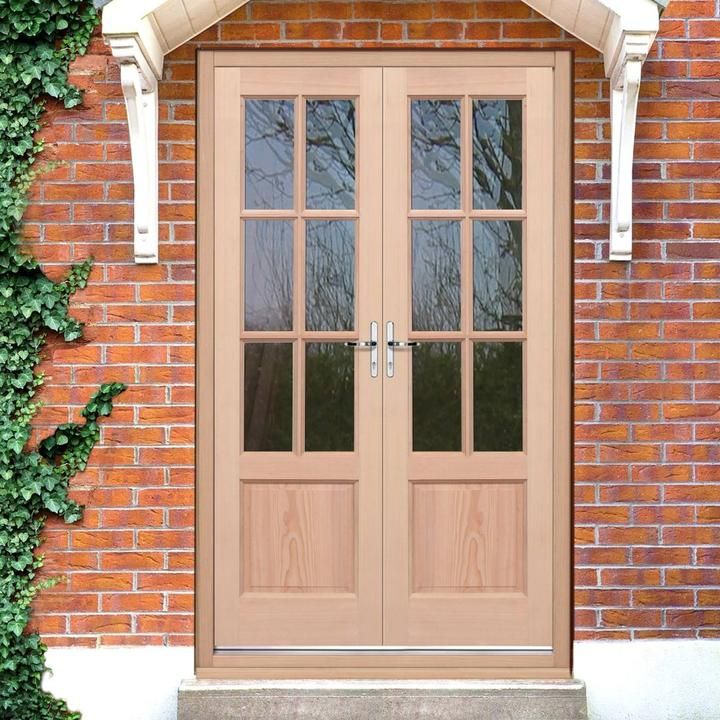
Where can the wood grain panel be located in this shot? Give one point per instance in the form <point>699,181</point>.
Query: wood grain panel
<point>468,537</point>
<point>299,537</point>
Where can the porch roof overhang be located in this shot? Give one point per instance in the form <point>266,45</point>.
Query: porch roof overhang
<point>141,32</point>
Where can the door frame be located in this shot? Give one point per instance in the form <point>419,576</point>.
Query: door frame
<point>368,663</point>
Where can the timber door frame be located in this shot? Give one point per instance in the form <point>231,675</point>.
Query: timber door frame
<point>372,662</point>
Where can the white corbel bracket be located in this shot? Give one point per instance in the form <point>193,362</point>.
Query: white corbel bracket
<point>625,73</point>
<point>140,89</point>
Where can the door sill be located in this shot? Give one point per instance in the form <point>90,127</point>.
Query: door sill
<point>386,650</point>
<point>377,700</point>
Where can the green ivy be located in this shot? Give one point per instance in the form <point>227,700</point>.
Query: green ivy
<point>38,40</point>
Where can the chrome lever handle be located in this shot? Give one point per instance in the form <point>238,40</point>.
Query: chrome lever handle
<point>371,345</point>
<point>392,345</point>
<point>400,344</point>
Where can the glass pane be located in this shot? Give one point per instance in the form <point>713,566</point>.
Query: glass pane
<point>497,154</point>
<point>330,275</point>
<point>268,396</point>
<point>436,274</point>
<point>329,397</point>
<point>436,397</point>
<point>269,141</point>
<point>330,153</point>
<point>268,275</point>
<point>498,391</point>
<point>435,147</point>
<point>497,275</point>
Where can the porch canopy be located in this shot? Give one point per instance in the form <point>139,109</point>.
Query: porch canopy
<point>141,32</point>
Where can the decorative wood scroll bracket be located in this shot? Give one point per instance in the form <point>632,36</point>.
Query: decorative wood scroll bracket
<point>139,86</point>
<point>625,75</point>
<point>142,32</point>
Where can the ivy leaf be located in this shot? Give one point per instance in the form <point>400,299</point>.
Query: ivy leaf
<point>39,40</point>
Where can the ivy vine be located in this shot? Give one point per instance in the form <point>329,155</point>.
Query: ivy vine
<point>38,40</point>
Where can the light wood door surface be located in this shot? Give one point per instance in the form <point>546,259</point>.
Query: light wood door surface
<point>384,364</point>
<point>298,255</point>
<point>468,413</point>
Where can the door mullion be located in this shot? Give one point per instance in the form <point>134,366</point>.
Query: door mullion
<point>466,275</point>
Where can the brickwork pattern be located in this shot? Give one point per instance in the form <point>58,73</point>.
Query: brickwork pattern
<point>647,414</point>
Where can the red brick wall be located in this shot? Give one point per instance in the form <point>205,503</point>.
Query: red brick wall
<point>647,333</point>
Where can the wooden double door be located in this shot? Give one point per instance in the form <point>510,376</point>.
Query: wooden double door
<point>383,357</point>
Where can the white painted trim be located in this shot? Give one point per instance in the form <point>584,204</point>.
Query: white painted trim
<point>638,680</point>
<point>141,32</point>
<point>140,89</point>
<point>120,683</point>
<point>625,72</point>
<point>650,679</point>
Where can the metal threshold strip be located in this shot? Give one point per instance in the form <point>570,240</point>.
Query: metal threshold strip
<point>387,650</point>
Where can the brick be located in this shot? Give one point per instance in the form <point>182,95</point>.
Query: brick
<point>165,623</point>
<point>631,618</point>
<point>177,581</point>
<point>647,377</point>
<point>440,30</point>
<point>104,623</point>
<point>693,618</point>
<point>165,539</point>
<point>132,561</point>
<point>693,576</point>
<point>663,598</point>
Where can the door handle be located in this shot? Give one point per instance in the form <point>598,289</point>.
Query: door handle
<point>371,345</point>
<point>392,345</point>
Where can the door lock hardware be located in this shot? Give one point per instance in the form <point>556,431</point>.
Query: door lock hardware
<point>392,345</point>
<point>361,344</point>
<point>371,345</point>
<point>399,344</point>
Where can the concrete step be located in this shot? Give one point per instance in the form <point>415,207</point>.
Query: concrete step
<point>382,700</point>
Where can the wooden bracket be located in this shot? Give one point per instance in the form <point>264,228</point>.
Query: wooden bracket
<point>142,32</point>
<point>139,86</point>
<point>625,76</point>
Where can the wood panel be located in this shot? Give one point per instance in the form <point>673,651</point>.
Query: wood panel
<point>299,537</point>
<point>468,537</point>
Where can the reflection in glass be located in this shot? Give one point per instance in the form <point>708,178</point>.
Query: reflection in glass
<point>497,275</point>
<point>330,153</point>
<point>329,397</point>
<point>498,397</point>
<point>436,397</point>
<point>435,149</point>
<point>497,132</point>
<point>269,140</point>
<point>330,275</point>
<point>436,274</point>
<point>268,381</point>
<point>268,275</point>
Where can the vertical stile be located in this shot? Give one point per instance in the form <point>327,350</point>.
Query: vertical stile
<point>300,301</point>
<point>466,276</point>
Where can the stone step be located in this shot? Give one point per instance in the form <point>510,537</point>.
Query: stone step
<point>382,700</point>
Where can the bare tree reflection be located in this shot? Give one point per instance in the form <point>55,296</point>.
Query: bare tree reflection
<point>498,397</point>
<point>268,386</point>
<point>330,275</point>
<point>435,149</point>
<point>269,149</point>
<point>330,153</point>
<point>436,397</point>
<point>268,275</point>
<point>497,154</point>
<point>329,398</point>
<point>436,274</point>
<point>497,271</point>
